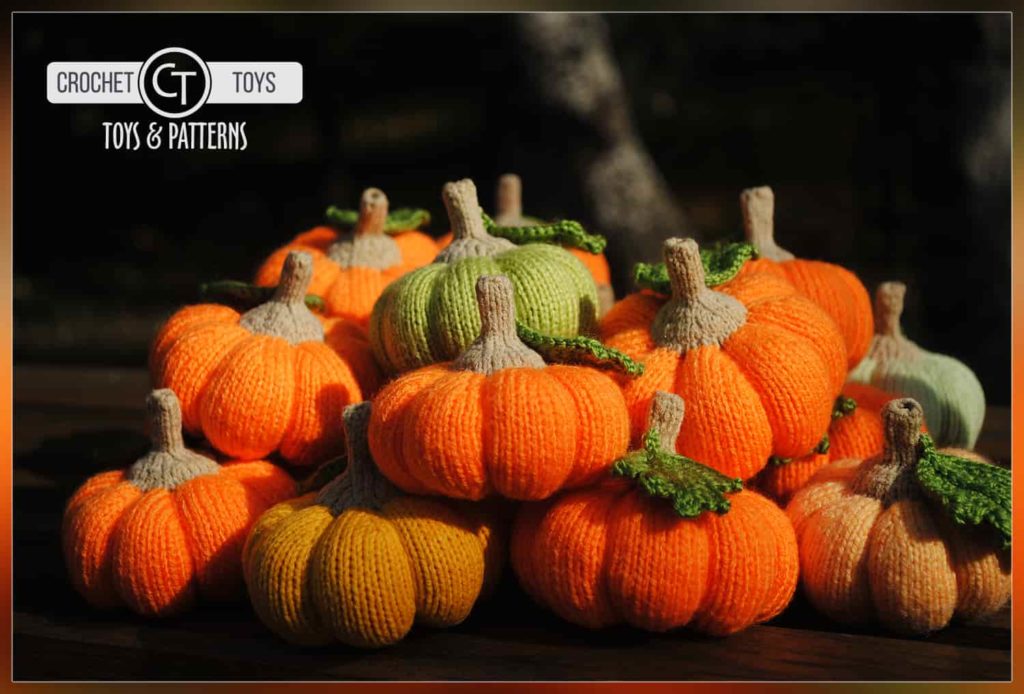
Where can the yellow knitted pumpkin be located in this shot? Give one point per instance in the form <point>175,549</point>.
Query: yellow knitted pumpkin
<point>359,561</point>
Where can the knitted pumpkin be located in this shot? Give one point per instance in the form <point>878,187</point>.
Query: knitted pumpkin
<point>952,397</point>
<point>359,561</point>
<point>907,537</point>
<point>351,268</point>
<point>509,213</point>
<point>835,289</point>
<point>673,544</point>
<point>497,420</point>
<point>430,314</point>
<point>758,364</point>
<point>168,529</point>
<point>264,380</point>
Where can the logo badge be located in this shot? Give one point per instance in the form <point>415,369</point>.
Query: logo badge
<point>174,82</point>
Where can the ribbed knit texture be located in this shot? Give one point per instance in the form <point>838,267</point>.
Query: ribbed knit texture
<point>252,394</point>
<point>351,269</point>
<point>360,562</point>
<point>874,548</point>
<point>486,425</point>
<point>169,529</point>
<point>611,554</point>
<point>430,315</point>
<point>766,389</point>
<point>949,392</point>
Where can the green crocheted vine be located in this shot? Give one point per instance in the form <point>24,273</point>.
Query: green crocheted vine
<point>578,350</point>
<point>842,407</point>
<point>722,262</point>
<point>971,492</point>
<point>565,232</point>
<point>692,488</point>
<point>244,296</point>
<point>820,449</point>
<point>401,219</point>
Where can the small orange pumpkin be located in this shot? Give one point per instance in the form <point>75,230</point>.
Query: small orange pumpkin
<point>758,364</point>
<point>708,554</point>
<point>351,268</point>
<point>497,420</point>
<point>169,528</point>
<point>265,380</point>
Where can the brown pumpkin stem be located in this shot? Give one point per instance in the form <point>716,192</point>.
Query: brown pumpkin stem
<point>498,346</point>
<point>470,238</point>
<point>361,484</point>
<point>666,418</point>
<point>509,211</point>
<point>366,245</point>
<point>890,476</point>
<point>694,315</point>
<point>286,314</point>
<point>889,308</point>
<point>168,463</point>
<point>758,207</point>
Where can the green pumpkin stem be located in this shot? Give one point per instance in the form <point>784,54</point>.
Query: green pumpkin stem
<point>660,472</point>
<point>498,346</point>
<point>244,295</point>
<point>469,236</point>
<point>578,350</point>
<point>758,208</point>
<point>168,463</point>
<point>360,484</point>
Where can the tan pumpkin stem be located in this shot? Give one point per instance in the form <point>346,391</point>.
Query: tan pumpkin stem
<point>666,418</point>
<point>361,484</point>
<point>758,207</point>
<point>889,308</point>
<point>509,211</point>
<point>168,463</point>
<point>470,238</point>
<point>498,346</point>
<point>694,315</point>
<point>286,314</point>
<point>367,245</point>
<point>891,475</point>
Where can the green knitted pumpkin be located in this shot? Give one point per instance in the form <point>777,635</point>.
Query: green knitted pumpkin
<point>949,392</point>
<point>430,315</point>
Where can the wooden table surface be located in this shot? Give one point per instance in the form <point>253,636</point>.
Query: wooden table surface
<point>72,422</point>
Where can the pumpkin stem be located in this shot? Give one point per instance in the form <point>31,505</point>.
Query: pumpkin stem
<point>366,245</point>
<point>168,463</point>
<point>286,314</point>
<point>361,483</point>
<point>891,475</point>
<point>889,308</point>
<point>694,315</point>
<point>666,418</point>
<point>498,346</point>
<point>509,210</point>
<point>470,238</point>
<point>758,207</point>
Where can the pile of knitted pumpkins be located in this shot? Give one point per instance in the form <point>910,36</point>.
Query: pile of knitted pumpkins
<point>743,422</point>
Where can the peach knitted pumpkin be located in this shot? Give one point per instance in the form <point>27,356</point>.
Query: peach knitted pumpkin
<point>834,288</point>
<point>168,529</point>
<point>497,420</point>
<point>351,268</point>
<point>910,538</point>
<point>674,544</point>
<point>266,380</point>
<point>360,562</point>
<point>758,364</point>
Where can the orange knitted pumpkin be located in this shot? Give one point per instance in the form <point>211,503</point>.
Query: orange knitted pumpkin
<point>758,364</point>
<point>893,538</point>
<point>351,268</point>
<point>835,289</point>
<point>169,528</point>
<point>678,544</point>
<point>265,380</point>
<point>497,420</point>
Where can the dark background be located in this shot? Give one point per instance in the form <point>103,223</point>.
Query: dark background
<point>885,136</point>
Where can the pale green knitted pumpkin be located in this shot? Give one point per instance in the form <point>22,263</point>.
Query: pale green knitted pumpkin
<point>949,392</point>
<point>430,314</point>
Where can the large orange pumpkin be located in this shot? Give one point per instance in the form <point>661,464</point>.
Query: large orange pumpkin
<point>677,544</point>
<point>351,268</point>
<point>497,420</point>
<point>265,380</point>
<point>758,364</point>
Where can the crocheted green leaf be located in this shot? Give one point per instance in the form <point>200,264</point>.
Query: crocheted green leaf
<point>565,232</point>
<point>243,296</point>
<point>721,262</point>
<point>971,492</point>
<point>323,474</point>
<point>842,407</point>
<point>692,488</point>
<point>578,350</point>
<point>401,219</point>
